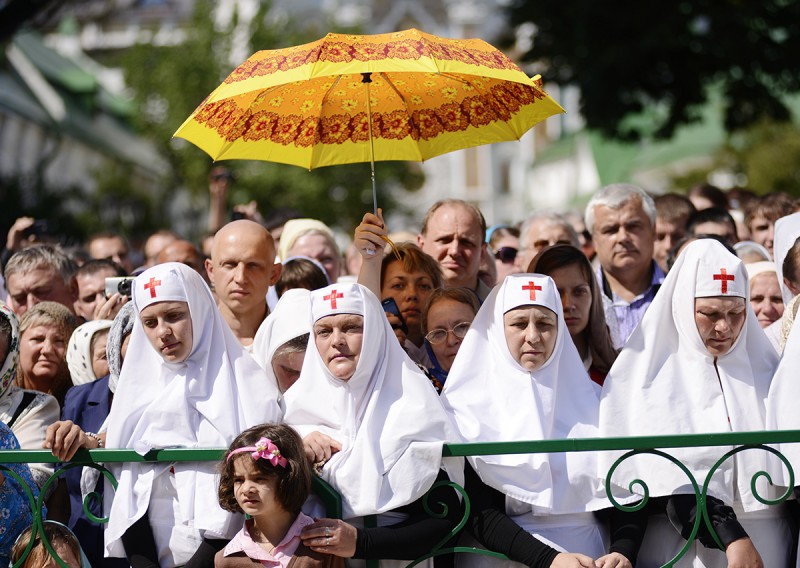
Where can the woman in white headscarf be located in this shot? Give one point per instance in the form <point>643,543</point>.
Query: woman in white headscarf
<point>787,232</point>
<point>766,299</point>
<point>280,343</point>
<point>369,405</point>
<point>698,363</point>
<point>787,267</point>
<point>84,351</point>
<point>312,238</point>
<point>187,382</point>
<point>518,376</point>
<point>782,412</point>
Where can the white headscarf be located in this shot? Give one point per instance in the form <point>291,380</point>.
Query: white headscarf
<point>664,382</point>
<point>79,351</point>
<point>492,398</point>
<point>295,228</point>
<point>760,267</point>
<point>121,327</point>
<point>202,402</point>
<point>290,318</point>
<point>787,231</point>
<point>387,416</point>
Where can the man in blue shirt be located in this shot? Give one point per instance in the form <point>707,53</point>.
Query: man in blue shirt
<point>621,218</point>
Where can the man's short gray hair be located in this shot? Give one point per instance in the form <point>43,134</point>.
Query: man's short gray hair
<point>546,218</point>
<point>617,195</point>
<point>41,256</point>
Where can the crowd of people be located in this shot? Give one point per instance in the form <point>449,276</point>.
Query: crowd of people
<point>640,316</point>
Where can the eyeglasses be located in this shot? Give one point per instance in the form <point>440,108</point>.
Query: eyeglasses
<point>505,254</point>
<point>438,335</point>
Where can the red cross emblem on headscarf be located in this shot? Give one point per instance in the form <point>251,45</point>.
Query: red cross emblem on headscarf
<point>152,286</point>
<point>332,297</point>
<point>725,277</point>
<point>532,287</point>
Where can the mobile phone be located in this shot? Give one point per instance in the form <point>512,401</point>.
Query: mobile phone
<point>390,306</point>
<point>39,227</point>
<point>121,284</point>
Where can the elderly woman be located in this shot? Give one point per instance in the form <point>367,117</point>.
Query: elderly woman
<point>27,412</point>
<point>314,239</point>
<point>766,299</point>
<point>45,330</point>
<point>518,376</point>
<point>86,352</point>
<point>698,363</point>
<point>372,422</point>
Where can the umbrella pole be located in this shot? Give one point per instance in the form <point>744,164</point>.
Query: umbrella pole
<point>367,79</point>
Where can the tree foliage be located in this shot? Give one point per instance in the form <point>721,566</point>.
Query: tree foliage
<point>767,154</point>
<point>169,82</point>
<point>630,56</point>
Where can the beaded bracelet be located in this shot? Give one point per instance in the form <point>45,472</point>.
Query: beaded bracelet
<point>95,437</point>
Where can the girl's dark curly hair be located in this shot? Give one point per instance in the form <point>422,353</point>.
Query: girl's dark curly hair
<point>293,481</point>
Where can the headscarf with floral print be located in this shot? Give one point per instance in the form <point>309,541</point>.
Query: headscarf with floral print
<point>9,370</point>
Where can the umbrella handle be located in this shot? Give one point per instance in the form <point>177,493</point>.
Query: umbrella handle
<point>366,78</point>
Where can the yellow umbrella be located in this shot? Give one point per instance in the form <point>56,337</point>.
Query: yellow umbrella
<point>361,98</point>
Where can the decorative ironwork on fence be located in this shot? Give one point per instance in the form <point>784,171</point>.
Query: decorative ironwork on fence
<point>654,445</point>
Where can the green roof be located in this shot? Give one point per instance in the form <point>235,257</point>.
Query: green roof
<point>55,67</point>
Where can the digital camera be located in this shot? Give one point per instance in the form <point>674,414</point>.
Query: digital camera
<point>121,284</point>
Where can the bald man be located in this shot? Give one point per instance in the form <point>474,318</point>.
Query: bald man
<point>242,268</point>
<point>185,253</point>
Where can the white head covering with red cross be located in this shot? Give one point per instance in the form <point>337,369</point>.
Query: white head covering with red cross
<point>666,382</point>
<point>492,398</point>
<point>529,290</point>
<point>337,299</point>
<point>161,283</point>
<point>720,278</point>
<point>203,401</point>
<point>387,417</point>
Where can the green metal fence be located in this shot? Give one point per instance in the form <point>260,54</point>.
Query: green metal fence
<point>654,445</point>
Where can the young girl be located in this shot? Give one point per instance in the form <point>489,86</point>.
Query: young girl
<point>266,475</point>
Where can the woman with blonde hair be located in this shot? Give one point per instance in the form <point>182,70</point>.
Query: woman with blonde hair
<point>45,330</point>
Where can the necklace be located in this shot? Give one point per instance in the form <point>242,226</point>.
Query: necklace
<point>259,538</point>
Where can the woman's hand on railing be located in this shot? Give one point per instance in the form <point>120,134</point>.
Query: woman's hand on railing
<point>613,560</point>
<point>742,554</point>
<point>572,560</point>
<point>330,536</point>
<point>64,438</point>
<point>320,447</point>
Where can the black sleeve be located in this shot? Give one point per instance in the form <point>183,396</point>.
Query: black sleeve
<point>140,545</point>
<point>205,554</point>
<point>626,530</point>
<point>681,510</point>
<point>490,525</point>
<point>416,535</point>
